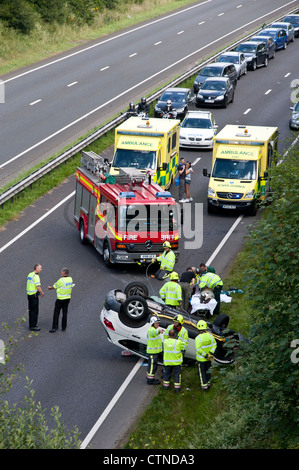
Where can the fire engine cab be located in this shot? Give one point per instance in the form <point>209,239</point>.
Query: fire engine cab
<point>126,217</point>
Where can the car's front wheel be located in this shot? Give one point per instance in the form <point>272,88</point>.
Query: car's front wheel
<point>134,311</point>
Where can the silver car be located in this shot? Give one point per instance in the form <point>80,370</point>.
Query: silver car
<point>198,130</point>
<point>236,58</point>
<point>288,27</point>
<point>294,119</point>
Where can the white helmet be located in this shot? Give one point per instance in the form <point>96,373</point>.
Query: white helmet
<point>154,320</point>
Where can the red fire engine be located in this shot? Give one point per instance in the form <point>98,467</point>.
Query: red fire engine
<point>126,217</point>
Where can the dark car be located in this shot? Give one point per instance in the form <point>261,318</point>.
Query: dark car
<point>216,92</point>
<point>279,36</point>
<point>217,69</point>
<point>180,99</point>
<point>270,44</point>
<point>294,20</point>
<point>255,52</point>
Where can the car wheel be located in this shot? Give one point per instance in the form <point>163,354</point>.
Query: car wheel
<point>253,67</point>
<point>253,209</point>
<point>136,288</point>
<point>134,311</point>
<point>221,321</point>
<point>285,45</point>
<point>273,56</point>
<point>245,71</point>
<point>107,254</point>
<point>83,239</point>
<point>225,103</point>
<point>233,97</point>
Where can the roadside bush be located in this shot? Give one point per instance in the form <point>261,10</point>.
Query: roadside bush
<point>19,15</point>
<point>54,11</point>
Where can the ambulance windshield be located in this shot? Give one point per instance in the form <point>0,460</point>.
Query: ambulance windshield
<point>139,159</point>
<point>235,169</point>
<point>145,217</point>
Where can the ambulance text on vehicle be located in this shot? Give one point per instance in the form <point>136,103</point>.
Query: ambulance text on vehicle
<point>126,217</point>
<point>241,157</point>
<point>149,145</point>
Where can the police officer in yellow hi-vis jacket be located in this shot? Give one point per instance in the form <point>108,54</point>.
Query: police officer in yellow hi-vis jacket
<point>34,290</point>
<point>63,288</point>
<point>154,348</point>
<point>205,345</point>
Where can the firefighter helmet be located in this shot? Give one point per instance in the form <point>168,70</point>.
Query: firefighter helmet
<point>174,276</point>
<point>154,320</point>
<point>202,325</point>
<point>166,245</point>
<point>179,319</point>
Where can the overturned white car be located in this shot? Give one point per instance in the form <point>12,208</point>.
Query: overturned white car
<point>125,317</point>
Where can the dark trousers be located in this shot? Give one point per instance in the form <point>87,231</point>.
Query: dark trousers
<point>162,274</point>
<point>217,291</point>
<point>168,370</point>
<point>181,188</point>
<point>60,305</point>
<point>204,374</point>
<point>152,367</point>
<point>33,310</point>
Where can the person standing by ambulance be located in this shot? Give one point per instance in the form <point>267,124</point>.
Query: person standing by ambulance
<point>34,290</point>
<point>63,288</point>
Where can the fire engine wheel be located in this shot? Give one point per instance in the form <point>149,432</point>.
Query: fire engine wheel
<point>107,254</point>
<point>83,239</point>
<point>134,311</point>
<point>136,288</point>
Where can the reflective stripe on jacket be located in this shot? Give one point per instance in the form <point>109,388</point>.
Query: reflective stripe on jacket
<point>182,335</point>
<point>205,343</point>
<point>64,287</point>
<point>33,281</point>
<point>171,293</point>
<point>210,280</point>
<point>173,355</point>
<point>154,341</point>
<point>167,260</point>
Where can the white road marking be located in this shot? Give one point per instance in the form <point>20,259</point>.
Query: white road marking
<point>247,111</point>
<point>132,55</point>
<point>287,74</point>
<point>268,91</point>
<point>220,14</point>
<point>72,84</point>
<point>224,240</point>
<point>35,102</point>
<point>157,43</point>
<point>196,161</point>
<point>202,22</point>
<point>239,6</point>
<point>180,32</point>
<point>129,90</point>
<point>105,68</point>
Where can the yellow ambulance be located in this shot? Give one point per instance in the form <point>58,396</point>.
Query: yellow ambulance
<point>150,145</point>
<point>241,157</point>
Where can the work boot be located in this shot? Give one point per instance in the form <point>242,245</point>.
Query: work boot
<point>153,382</point>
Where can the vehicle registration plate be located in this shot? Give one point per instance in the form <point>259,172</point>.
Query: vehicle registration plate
<point>226,206</point>
<point>150,256</point>
<point>209,101</point>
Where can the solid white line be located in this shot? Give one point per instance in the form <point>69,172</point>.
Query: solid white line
<point>239,6</point>
<point>72,84</point>
<point>220,14</point>
<point>224,240</point>
<point>36,222</point>
<point>34,102</point>
<point>128,90</point>
<point>110,39</point>
<point>202,22</point>
<point>107,410</point>
<point>247,111</point>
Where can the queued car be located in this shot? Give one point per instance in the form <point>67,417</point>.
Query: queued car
<point>294,119</point>
<point>269,42</point>
<point>126,314</point>
<point>217,69</point>
<point>279,36</point>
<point>180,99</point>
<point>288,27</point>
<point>294,20</point>
<point>198,130</point>
<point>216,92</point>
<point>236,58</point>
<point>255,52</point>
